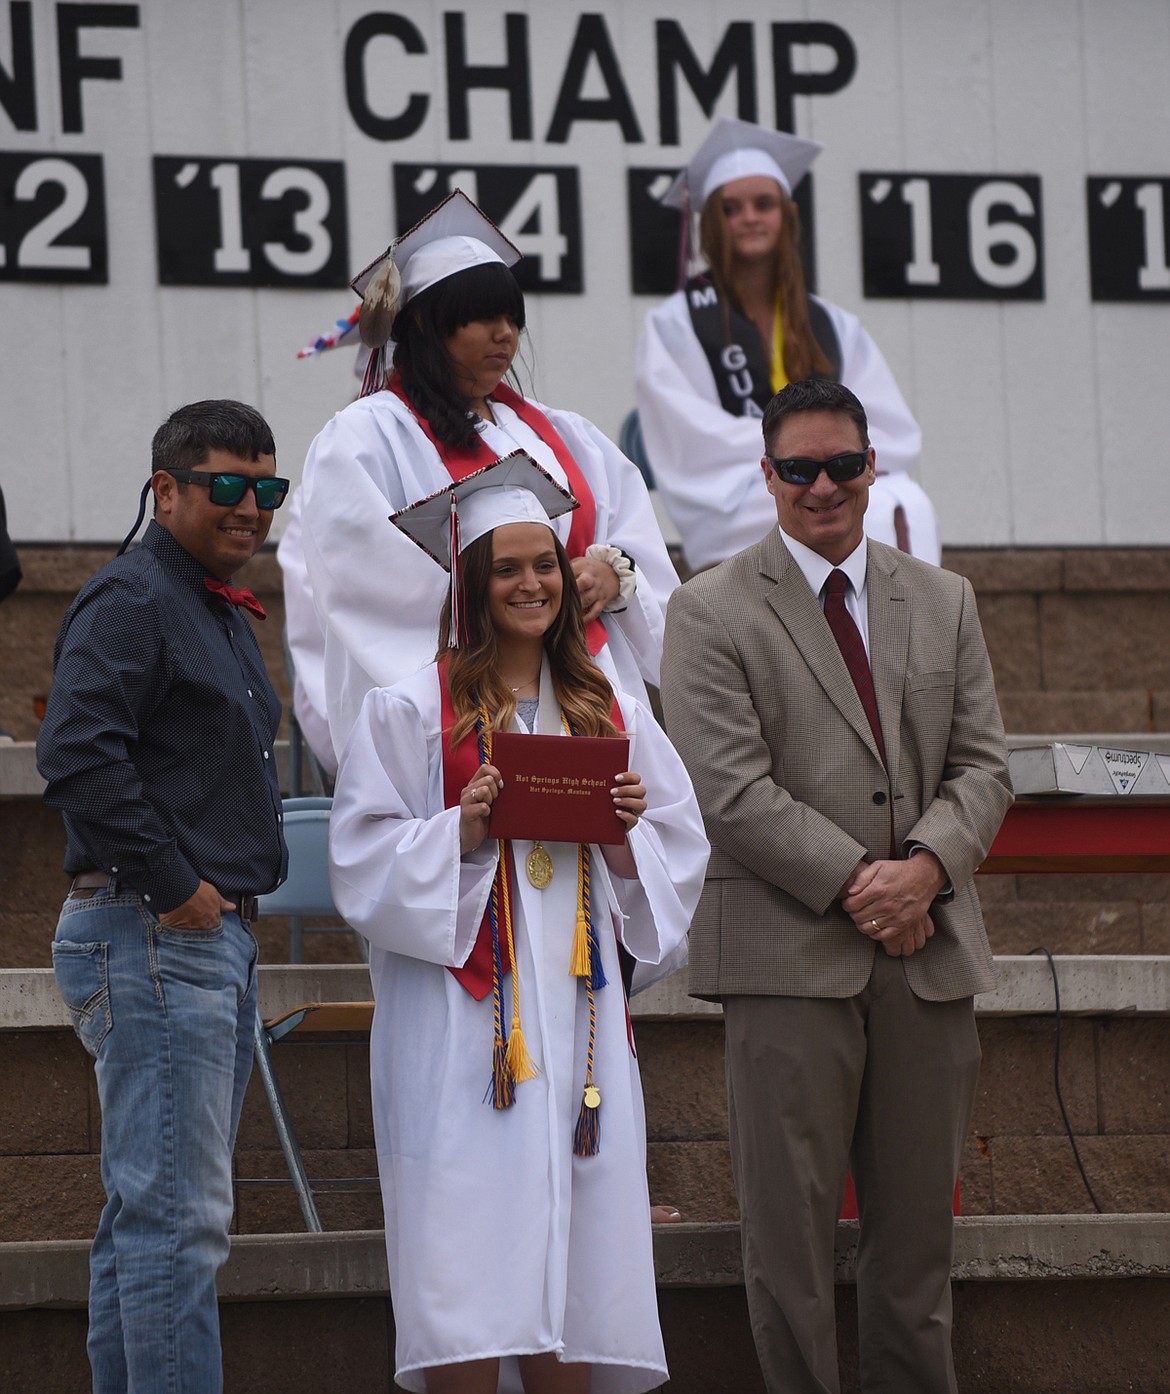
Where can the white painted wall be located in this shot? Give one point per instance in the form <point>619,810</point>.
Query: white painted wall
<point>1044,422</point>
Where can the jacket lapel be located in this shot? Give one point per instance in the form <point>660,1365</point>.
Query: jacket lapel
<point>799,611</point>
<point>888,600</point>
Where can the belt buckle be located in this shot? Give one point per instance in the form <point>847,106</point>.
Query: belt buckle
<point>246,908</point>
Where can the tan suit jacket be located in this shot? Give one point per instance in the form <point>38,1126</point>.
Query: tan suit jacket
<point>761,706</point>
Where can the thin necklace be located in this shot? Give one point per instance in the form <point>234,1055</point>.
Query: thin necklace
<point>525,684</point>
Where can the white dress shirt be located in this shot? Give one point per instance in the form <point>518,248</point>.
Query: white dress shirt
<point>816,571</point>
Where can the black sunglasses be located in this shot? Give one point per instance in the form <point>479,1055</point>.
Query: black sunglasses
<point>840,468</point>
<point>228,489</point>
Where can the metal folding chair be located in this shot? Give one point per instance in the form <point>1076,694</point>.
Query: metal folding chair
<point>633,447</point>
<point>305,892</point>
<point>310,1019</point>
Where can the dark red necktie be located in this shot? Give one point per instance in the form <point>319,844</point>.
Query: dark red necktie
<point>234,596</point>
<point>852,647</point>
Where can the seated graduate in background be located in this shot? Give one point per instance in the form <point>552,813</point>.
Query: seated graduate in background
<point>711,357</point>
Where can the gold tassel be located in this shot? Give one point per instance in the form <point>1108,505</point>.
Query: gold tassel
<point>579,967</point>
<point>520,1065</point>
<point>580,964</point>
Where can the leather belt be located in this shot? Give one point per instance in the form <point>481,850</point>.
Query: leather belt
<point>247,906</point>
<point>90,881</point>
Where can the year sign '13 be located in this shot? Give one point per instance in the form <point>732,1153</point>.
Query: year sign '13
<point>238,222</point>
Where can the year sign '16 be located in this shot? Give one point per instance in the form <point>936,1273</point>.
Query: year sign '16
<point>952,236</point>
<point>237,222</point>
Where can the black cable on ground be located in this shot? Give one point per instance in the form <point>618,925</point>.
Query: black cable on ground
<point>1056,1076</point>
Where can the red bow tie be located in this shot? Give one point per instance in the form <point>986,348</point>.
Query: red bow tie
<point>234,596</point>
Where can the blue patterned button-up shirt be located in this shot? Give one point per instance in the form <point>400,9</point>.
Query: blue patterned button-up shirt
<point>158,739</point>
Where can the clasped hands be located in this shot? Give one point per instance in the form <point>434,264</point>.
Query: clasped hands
<point>889,901</point>
<point>477,797</point>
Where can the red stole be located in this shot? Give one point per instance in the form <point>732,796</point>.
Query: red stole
<point>460,462</point>
<point>460,762</point>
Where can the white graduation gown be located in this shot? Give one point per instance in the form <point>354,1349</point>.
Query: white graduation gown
<point>706,461</point>
<point>306,639</point>
<point>378,596</point>
<point>500,1242</point>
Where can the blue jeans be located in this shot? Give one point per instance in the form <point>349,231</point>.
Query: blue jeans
<point>169,1016</point>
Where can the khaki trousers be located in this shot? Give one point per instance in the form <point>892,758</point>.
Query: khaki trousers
<point>882,1084</point>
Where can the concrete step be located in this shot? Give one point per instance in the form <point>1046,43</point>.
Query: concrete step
<point>1115,1071</point>
<point>352,1263</point>
<point>321,1302</point>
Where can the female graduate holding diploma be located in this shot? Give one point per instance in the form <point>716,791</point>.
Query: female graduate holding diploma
<point>507,1103</point>
<point>711,357</point>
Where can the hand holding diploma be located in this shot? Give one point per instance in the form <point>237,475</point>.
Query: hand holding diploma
<point>475,806</point>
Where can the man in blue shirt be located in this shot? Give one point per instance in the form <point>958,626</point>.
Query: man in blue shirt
<point>157,746</point>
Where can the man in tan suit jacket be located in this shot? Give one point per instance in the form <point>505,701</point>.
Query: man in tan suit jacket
<point>839,925</point>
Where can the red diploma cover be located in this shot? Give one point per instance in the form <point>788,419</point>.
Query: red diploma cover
<point>556,788</point>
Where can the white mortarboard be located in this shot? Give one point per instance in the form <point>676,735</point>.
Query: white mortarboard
<point>452,237</point>
<point>736,150</point>
<point>514,489</point>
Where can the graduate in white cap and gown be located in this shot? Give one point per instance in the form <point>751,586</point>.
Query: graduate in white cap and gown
<point>436,406</point>
<point>507,1104</point>
<point>712,356</point>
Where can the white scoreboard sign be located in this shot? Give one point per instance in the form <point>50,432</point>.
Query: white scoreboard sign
<point>185,190</point>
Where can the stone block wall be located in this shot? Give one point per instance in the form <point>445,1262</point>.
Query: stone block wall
<point>1076,635</point>
<point>1115,1077</point>
<point>50,1181</point>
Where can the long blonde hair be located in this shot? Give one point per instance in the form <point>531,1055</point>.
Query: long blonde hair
<point>581,687</point>
<point>803,356</point>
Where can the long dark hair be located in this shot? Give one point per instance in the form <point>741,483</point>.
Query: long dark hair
<point>581,687</point>
<point>421,330</point>
<point>803,356</point>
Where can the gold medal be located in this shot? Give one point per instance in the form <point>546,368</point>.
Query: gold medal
<point>539,866</point>
<point>592,1096</point>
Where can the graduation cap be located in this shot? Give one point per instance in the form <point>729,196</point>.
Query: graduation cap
<point>454,236</point>
<point>513,489</point>
<point>736,150</point>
